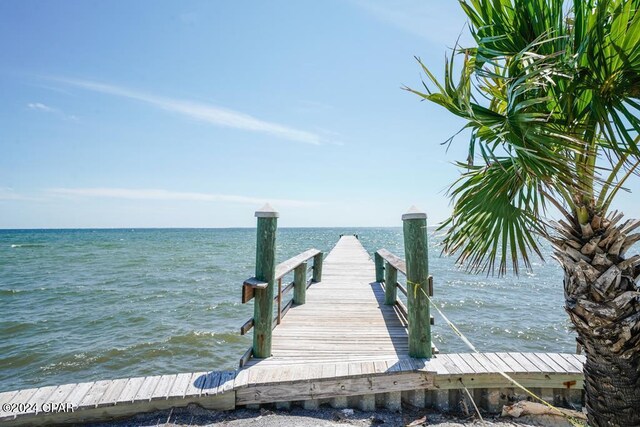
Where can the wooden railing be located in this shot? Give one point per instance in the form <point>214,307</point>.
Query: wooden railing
<point>419,284</point>
<point>262,286</point>
<point>389,265</point>
<point>297,264</point>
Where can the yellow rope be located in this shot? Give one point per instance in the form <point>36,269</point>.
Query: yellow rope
<point>416,286</point>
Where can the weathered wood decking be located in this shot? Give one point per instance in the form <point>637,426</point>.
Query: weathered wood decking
<point>343,347</point>
<point>344,317</point>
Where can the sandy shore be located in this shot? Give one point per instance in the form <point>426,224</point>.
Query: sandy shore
<point>324,417</point>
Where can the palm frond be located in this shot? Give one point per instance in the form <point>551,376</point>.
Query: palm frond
<point>496,218</point>
<point>551,96</point>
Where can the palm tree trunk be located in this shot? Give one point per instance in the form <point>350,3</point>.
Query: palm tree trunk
<point>612,385</point>
<point>603,302</point>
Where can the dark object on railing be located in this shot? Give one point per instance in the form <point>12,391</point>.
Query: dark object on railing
<point>248,288</point>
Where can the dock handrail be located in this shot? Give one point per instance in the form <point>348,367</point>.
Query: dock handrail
<point>262,286</point>
<point>282,270</point>
<point>395,261</point>
<point>389,265</point>
<point>419,283</point>
<point>292,263</point>
<point>297,264</point>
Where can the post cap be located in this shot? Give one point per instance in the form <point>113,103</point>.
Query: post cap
<point>414,213</point>
<point>267,211</point>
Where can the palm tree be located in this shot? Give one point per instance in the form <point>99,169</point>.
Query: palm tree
<point>550,96</point>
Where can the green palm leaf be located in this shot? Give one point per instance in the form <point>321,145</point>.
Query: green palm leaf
<point>550,95</point>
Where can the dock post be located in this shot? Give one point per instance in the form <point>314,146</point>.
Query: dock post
<point>265,271</point>
<point>379,267</point>
<point>416,253</point>
<point>317,268</point>
<point>300,284</point>
<point>390,280</point>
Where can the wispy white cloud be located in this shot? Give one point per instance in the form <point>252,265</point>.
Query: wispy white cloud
<point>9,194</point>
<point>166,195</point>
<point>41,107</point>
<point>199,111</point>
<point>38,106</point>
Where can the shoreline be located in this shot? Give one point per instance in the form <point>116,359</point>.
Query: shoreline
<point>194,415</point>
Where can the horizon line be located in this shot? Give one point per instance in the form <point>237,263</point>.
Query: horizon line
<point>195,228</point>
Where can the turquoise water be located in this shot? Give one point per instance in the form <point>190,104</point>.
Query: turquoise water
<point>82,305</point>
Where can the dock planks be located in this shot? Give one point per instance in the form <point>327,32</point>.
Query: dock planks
<point>344,317</point>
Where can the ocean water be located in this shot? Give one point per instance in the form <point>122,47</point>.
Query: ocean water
<point>83,305</point>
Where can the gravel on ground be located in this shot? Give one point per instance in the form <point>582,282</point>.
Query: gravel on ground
<point>194,415</point>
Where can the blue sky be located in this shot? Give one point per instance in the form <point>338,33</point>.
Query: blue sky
<point>193,114</point>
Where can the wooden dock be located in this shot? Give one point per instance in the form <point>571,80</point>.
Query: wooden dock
<point>348,295</point>
<point>342,347</point>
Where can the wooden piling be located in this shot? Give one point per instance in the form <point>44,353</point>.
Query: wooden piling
<point>416,254</point>
<point>300,284</point>
<point>379,261</point>
<point>265,271</point>
<point>317,268</point>
<point>390,280</point>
